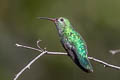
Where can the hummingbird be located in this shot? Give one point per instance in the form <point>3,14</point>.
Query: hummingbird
<point>72,42</point>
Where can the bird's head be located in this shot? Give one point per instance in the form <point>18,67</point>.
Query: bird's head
<point>61,22</point>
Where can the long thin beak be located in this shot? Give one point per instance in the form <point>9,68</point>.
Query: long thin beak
<point>51,19</point>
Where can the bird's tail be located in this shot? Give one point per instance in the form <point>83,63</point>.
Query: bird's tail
<point>84,63</point>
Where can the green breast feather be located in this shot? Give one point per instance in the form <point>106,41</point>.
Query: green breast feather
<point>79,47</point>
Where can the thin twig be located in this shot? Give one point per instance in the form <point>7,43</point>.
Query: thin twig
<point>28,65</point>
<point>114,51</point>
<point>55,53</point>
<point>104,63</point>
<point>28,47</point>
<point>48,52</point>
<point>38,45</point>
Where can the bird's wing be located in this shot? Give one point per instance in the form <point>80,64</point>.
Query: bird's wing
<point>68,47</point>
<point>81,60</point>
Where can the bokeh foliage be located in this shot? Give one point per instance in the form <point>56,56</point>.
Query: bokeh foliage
<point>98,21</point>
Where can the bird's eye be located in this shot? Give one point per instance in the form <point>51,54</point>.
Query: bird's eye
<point>62,19</point>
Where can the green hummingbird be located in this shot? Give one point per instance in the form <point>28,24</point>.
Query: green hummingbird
<point>72,42</point>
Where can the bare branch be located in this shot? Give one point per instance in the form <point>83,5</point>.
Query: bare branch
<point>114,51</point>
<point>28,47</point>
<point>36,49</point>
<point>38,45</point>
<point>28,65</point>
<point>43,51</point>
<point>104,63</point>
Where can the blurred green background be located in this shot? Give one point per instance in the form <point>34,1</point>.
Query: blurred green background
<point>98,21</point>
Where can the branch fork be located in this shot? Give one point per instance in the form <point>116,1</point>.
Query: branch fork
<point>44,51</point>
